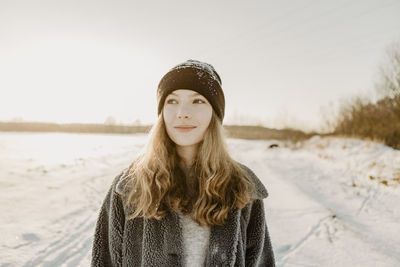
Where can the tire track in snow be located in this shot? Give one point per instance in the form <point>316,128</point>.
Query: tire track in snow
<point>366,200</point>
<point>74,242</point>
<point>282,261</point>
<point>67,246</point>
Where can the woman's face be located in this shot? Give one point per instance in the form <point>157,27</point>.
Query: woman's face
<point>187,115</point>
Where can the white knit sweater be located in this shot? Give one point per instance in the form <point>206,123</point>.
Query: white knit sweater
<point>195,241</point>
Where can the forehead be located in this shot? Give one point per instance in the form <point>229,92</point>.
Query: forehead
<point>185,92</point>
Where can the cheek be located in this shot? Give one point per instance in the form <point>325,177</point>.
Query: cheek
<point>167,118</point>
<point>206,117</point>
<point>167,113</point>
<point>209,113</point>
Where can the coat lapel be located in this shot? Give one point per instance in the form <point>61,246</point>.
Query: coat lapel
<point>162,241</point>
<point>173,242</point>
<point>223,241</point>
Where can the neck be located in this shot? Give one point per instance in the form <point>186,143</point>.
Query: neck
<point>187,154</point>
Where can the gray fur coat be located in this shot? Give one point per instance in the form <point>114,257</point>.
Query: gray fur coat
<point>243,241</point>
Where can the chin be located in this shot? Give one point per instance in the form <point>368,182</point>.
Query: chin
<point>186,143</point>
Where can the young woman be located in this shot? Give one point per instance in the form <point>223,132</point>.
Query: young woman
<point>184,201</point>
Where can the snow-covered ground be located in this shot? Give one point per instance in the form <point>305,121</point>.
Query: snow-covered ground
<point>332,201</point>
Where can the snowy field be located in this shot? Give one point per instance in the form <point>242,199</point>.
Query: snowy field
<point>332,201</point>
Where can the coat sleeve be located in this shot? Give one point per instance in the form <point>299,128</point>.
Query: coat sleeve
<point>258,248</point>
<point>108,235</point>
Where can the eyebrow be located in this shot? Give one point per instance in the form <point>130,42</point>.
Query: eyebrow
<point>190,95</point>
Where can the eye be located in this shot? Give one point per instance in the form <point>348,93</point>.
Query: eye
<point>198,99</point>
<point>169,101</point>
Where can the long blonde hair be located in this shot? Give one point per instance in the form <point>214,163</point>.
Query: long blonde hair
<point>156,184</point>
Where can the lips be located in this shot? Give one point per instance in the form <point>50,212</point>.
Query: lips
<point>185,128</point>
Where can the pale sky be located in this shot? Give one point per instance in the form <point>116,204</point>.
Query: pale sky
<point>281,62</point>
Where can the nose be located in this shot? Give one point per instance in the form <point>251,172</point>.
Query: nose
<point>183,112</point>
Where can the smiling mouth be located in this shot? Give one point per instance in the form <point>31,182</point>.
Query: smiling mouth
<point>185,129</point>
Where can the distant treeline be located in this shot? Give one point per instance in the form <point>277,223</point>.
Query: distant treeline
<point>71,128</point>
<point>234,131</point>
<point>259,132</point>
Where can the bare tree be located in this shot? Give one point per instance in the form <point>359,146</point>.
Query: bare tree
<point>388,84</point>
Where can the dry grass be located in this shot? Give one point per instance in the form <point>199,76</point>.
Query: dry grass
<point>376,122</point>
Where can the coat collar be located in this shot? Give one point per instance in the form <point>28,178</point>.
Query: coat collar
<point>261,192</point>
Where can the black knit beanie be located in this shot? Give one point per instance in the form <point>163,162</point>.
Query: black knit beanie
<point>197,76</point>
